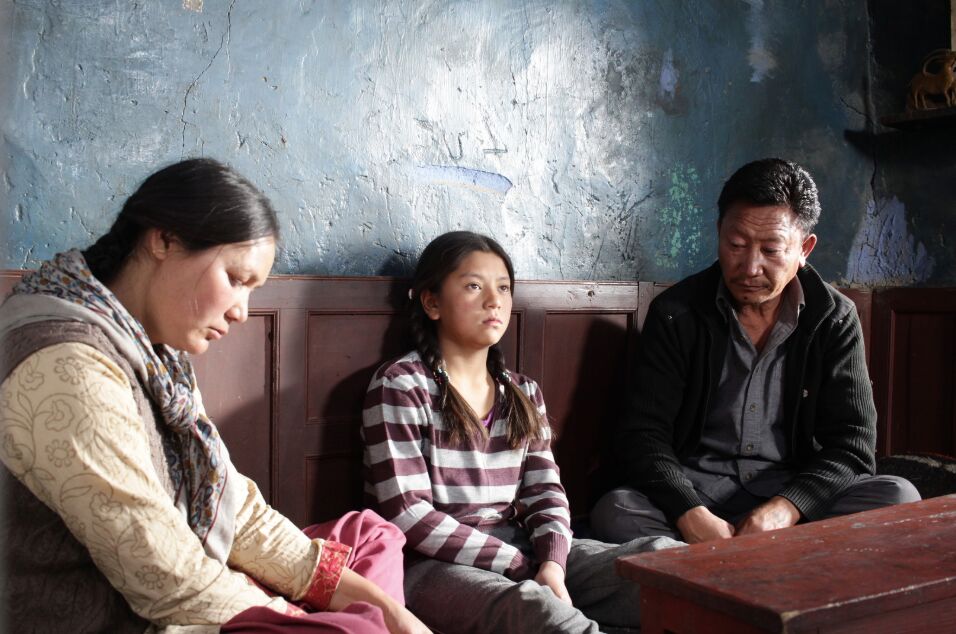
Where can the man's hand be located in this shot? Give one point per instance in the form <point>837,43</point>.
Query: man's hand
<point>777,512</point>
<point>700,525</point>
<point>550,574</point>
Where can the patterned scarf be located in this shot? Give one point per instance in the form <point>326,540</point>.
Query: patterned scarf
<point>199,467</point>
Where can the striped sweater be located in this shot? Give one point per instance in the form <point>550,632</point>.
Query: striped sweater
<point>445,499</point>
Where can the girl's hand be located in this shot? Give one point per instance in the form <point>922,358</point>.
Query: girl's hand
<point>550,574</point>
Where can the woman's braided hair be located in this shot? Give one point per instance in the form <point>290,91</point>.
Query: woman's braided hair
<point>441,257</point>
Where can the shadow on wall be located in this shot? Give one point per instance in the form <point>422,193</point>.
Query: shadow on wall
<point>584,405</point>
<point>335,481</point>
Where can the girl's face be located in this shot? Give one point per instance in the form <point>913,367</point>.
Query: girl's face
<point>196,296</point>
<point>473,309</point>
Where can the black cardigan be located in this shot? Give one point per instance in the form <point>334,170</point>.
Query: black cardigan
<point>827,402</point>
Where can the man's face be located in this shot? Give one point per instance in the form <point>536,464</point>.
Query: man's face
<point>760,249</point>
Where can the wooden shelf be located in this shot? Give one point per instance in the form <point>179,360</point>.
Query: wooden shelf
<point>921,119</point>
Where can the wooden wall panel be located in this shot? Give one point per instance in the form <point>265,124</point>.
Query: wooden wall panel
<point>923,376</point>
<point>333,486</point>
<point>237,378</point>
<point>344,351</point>
<point>7,280</point>
<point>286,387</point>
<point>585,357</point>
<point>913,366</point>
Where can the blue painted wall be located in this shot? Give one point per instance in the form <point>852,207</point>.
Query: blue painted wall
<point>591,138</point>
<point>906,234</point>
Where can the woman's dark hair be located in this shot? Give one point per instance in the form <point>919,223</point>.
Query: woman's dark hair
<point>201,202</point>
<point>440,258</point>
<point>773,181</point>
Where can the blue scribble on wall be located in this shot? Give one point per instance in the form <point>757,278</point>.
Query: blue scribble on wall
<point>884,251</point>
<point>464,177</point>
<point>669,76</point>
<point>680,222</point>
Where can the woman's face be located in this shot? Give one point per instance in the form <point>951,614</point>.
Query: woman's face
<point>196,296</point>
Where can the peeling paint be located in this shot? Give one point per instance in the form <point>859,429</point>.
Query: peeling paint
<point>681,220</point>
<point>884,251</point>
<point>669,76</point>
<point>591,139</point>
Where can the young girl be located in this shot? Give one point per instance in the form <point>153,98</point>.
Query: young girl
<point>122,511</point>
<point>457,455</point>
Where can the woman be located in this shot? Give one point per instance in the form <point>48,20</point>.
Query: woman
<point>124,511</point>
<point>457,454</point>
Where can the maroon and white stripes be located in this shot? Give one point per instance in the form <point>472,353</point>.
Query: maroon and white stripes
<point>444,497</point>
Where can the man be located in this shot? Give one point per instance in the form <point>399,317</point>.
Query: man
<point>752,408</point>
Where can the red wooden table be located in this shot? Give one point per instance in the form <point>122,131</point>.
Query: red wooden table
<point>888,570</point>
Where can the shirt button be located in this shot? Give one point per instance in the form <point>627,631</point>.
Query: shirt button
<point>749,448</point>
<point>749,476</point>
<point>753,407</point>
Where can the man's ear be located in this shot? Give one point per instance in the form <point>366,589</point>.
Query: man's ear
<point>429,302</point>
<point>808,243</point>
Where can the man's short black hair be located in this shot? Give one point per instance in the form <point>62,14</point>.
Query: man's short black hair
<point>773,181</point>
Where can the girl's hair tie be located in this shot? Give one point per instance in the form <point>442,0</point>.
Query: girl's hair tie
<point>441,375</point>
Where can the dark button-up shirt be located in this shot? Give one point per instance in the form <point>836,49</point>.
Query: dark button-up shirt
<point>745,443</point>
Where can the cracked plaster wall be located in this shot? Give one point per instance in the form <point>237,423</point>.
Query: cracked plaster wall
<point>591,138</point>
<point>904,238</point>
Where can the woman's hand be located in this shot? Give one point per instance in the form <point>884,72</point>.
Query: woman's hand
<point>354,587</point>
<point>551,574</point>
<point>399,620</point>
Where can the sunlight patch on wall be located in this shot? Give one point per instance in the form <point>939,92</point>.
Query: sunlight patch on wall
<point>760,57</point>
<point>884,251</point>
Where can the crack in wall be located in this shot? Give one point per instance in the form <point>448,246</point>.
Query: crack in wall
<point>79,218</point>
<point>869,102</point>
<point>222,42</point>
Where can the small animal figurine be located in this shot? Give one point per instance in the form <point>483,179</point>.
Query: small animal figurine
<point>935,85</point>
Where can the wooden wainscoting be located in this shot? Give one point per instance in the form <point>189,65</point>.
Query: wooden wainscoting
<point>914,369</point>
<point>297,371</point>
<point>286,387</point>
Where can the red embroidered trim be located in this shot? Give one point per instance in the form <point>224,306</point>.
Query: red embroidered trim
<point>327,574</point>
